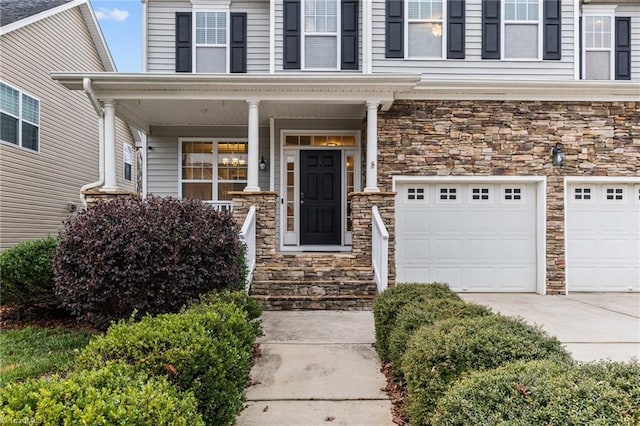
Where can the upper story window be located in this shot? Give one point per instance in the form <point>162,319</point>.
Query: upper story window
<point>320,34</point>
<point>19,118</point>
<point>606,44</point>
<point>211,42</point>
<point>425,28</point>
<point>522,35</point>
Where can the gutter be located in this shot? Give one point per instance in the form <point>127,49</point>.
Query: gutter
<point>86,85</point>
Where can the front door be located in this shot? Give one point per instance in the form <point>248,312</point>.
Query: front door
<point>320,197</point>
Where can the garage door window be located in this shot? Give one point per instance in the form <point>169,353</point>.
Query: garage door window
<point>448,194</point>
<point>614,194</point>
<point>480,194</point>
<point>582,194</point>
<point>416,194</point>
<point>513,194</point>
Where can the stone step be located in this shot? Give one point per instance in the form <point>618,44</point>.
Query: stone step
<point>314,288</point>
<point>280,273</point>
<point>337,303</point>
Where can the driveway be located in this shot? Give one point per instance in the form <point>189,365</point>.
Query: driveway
<point>592,326</point>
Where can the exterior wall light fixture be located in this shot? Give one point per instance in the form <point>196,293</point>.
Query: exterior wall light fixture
<point>263,164</point>
<point>557,154</point>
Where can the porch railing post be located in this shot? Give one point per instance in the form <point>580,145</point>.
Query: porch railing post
<point>253,140</point>
<point>372,147</point>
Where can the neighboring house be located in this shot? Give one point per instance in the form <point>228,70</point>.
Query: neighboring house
<point>446,115</point>
<point>49,136</point>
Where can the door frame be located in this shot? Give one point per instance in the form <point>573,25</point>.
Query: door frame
<point>290,241</point>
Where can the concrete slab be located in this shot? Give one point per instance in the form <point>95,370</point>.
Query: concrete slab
<point>316,413</point>
<point>316,371</point>
<point>318,327</point>
<point>595,326</point>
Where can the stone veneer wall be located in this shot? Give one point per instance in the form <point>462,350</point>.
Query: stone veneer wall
<point>512,138</point>
<point>94,196</point>
<point>266,209</point>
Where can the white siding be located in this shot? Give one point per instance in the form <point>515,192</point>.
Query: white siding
<point>473,66</point>
<point>36,187</point>
<point>633,11</point>
<point>161,47</point>
<point>163,161</point>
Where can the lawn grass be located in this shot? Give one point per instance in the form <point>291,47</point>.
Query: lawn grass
<point>32,352</point>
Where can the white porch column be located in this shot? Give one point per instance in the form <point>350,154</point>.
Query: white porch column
<point>109,146</point>
<point>372,147</point>
<point>253,160</point>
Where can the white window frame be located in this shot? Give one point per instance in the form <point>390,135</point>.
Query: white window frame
<point>503,31</point>
<point>592,194</point>
<point>615,188</point>
<point>21,119</point>
<point>489,194</point>
<point>503,194</point>
<point>215,180</point>
<point>604,12</point>
<point>448,188</point>
<point>442,21</point>
<point>227,13</point>
<point>304,34</point>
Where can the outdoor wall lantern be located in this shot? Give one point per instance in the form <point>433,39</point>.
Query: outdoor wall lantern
<point>263,164</point>
<point>557,154</point>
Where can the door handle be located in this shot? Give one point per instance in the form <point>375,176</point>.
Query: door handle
<point>301,195</point>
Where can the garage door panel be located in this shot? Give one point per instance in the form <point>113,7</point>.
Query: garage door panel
<point>585,249</point>
<point>513,249</point>
<point>415,221</point>
<point>512,223</point>
<point>479,250</point>
<point>482,279</point>
<point>449,275</point>
<point>448,250</point>
<point>610,249</point>
<point>415,274</point>
<point>415,249</point>
<point>480,223</point>
<point>448,221</point>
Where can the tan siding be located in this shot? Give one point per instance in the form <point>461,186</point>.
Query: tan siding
<point>123,136</point>
<point>37,186</point>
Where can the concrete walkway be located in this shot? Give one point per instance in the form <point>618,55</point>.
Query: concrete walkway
<point>317,368</point>
<point>592,326</point>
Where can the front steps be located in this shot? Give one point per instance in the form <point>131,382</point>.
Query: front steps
<point>313,281</point>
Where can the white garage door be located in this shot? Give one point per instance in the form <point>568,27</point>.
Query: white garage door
<point>603,237</point>
<point>473,236</point>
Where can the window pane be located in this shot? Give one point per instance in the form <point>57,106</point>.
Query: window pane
<point>225,188</point>
<point>30,109</point>
<point>521,10</point>
<point>425,40</point>
<point>29,136</point>
<point>8,128</point>
<point>197,191</point>
<point>9,100</point>
<point>597,66</point>
<point>320,52</point>
<point>211,59</point>
<point>425,9</point>
<point>598,32</point>
<point>211,28</point>
<point>521,41</point>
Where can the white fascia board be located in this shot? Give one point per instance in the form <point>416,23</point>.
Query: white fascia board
<point>602,179</point>
<point>398,180</point>
<point>39,16</point>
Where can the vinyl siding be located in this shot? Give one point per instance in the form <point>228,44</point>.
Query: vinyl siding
<point>36,187</point>
<point>633,11</point>
<point>161,32</point>
<point>279,50</point>
<point>163,156</point>
<point>473,66</point>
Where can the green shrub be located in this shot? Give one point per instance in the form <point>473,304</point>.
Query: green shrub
<point>416,314</point>
<point>152,256</point>
<point>114,395</point>
<point>387,305</point>
<point>539,392</point>
<point>205,349</point>
<point>26,274</point>
<point>238,298</point>
<point>438,355</point>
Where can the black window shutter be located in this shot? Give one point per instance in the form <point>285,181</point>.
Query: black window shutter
<point>455,29</point>
<point>623,48</point>
<point>183,42</point>
<point>291,35</point>
<point>349,37</point>
<point>491,29</point>
<point>551,11</point>
<point>394,29</point>
<point>238,42</point>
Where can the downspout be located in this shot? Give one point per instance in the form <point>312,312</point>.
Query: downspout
<point>86,85</point>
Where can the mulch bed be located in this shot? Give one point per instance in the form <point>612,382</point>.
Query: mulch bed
<point>396,390</point>
<point>16,319</point>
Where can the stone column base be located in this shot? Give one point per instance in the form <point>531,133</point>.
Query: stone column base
<point>266,211</point>
<point>95,196</point>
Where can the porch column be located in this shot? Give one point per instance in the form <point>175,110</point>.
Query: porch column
<point>253,160</point>
<point>109,146</point>
<point>372,147</point>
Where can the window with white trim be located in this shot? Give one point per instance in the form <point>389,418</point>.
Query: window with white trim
<point>598,43</point>
<point>480,194</point>
<point>19,118</point>
<point>582,194</point>
<point>614,194</point>
<point>425,28</point>
<point>513,194</point>
<point>321,27</point>
<point>416,194</point>
<point>447,193</point>
<point>212,169</point>
<point>211,41</point>
<point>522,29</point>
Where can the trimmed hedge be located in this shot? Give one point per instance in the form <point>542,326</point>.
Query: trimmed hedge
<point>206,350</point>
<point>26,274</point>
<point>416,314</point>
<point>113,395</point>
<point>145,256</point>
<point>438,355</point>
<point>544,393</point>
<point>388,304</point>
